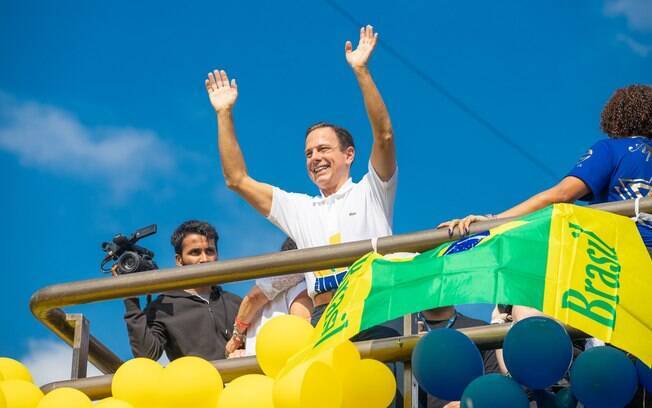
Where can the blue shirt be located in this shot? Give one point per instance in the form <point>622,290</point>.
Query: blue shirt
<point>618,169</point>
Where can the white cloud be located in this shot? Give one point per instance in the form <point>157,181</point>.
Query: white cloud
<point>638,48</point>
<point>637,12</point>
<point>46,137</point>
<point>50,361</point>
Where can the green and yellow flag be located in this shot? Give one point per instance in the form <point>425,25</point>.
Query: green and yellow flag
<point>584,267</point>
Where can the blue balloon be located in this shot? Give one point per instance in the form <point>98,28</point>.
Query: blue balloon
<point>565,399</point>
<point>494,391</point>
<point>603,377</point>
<point>644,375</point>
<point>537,352</point>
<point>444,362</point>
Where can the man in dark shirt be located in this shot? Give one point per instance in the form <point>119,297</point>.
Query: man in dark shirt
<point>197,321</point>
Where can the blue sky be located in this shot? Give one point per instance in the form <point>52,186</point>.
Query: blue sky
<point>105,125</point>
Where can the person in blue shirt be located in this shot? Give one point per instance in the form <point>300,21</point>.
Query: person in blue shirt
<point>613,169</point>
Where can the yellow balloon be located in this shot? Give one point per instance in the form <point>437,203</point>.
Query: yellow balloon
<point>309,385</point>
<point>20,393</point>
<point>138,382</point>
<point>190,382</point>
<point>341,357</point>
<point>3,400</point>
<point>14,370</point>
<point>252,390</point>
<point>113,403</point>
<point>279,339</point>
<point>65,398</point>
<point>368,383</point>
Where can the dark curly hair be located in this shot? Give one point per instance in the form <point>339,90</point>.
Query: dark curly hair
<point>628,112</point>
<point>192,227</point>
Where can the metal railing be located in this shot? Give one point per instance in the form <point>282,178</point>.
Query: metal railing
<point>46,303</point>
<point>386,350</point>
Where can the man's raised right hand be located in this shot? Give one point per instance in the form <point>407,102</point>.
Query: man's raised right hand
<point>221,92</point>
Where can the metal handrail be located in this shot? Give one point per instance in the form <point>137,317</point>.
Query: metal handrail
<point>45,304</point>
<point>386,350</point>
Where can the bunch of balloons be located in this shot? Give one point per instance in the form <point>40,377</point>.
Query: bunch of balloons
<point>448,365</point>
<point>17,390</point>
<point>185,382</point>
<point>537,352</point>
<point>337,377</point>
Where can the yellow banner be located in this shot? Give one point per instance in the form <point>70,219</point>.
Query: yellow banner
<point>342,317</point>
<point>599,278</point>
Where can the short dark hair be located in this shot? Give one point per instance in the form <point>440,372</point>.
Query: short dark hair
<point>288,245</point>
<point>628,112</point>
<point>192,227</point>
<point>343,135</point>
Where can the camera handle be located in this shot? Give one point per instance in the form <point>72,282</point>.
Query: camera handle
<point>106,260</point>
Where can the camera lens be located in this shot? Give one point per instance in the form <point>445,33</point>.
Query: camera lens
<point>128,262</point>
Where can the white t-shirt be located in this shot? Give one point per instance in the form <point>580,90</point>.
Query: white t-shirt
<point>355,212</point>
<point>279,305</point>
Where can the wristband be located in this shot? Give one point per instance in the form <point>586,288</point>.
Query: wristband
<point>241,326</point>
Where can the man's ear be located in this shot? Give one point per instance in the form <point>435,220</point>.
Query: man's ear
<point>178,260</point>
<point>350,155</point>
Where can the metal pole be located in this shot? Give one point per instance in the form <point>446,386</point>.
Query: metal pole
<point>385,350</point>
<point>80,345</point>
<point>410,386</point>
<point>44,302</point>
<point>98,354</point>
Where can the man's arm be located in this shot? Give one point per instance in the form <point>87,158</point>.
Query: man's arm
<point>146,338</point>
<point>223,95</point>
<point>251,304</point>
<point>383,151</point>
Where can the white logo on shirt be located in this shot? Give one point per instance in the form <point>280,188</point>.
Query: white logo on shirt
<point>633,188</point>
<point>645,148</point>
<point>584,157</point>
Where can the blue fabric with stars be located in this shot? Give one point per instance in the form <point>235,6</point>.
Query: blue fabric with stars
<point>465,244</point>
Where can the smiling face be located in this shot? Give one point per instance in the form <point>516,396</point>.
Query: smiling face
<point>328,166</point>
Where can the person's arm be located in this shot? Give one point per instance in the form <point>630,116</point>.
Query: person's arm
<point>568,190</point>
<point>223,95</point>
<point>147,337</point>
<point>383,151</point>
<point>302,306</point>
<point>251,304</point>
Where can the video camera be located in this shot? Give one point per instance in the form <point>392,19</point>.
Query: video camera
<point>129,257</point>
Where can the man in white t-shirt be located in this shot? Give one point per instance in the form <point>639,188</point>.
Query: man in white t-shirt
<point>344,211</point>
